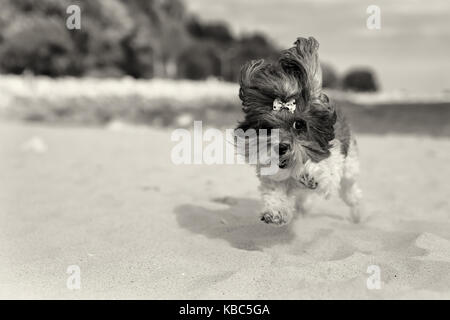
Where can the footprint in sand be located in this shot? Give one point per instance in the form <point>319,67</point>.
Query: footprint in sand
<point>438,248</point>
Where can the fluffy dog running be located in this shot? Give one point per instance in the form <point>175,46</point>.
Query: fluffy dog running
<point>317,153</point>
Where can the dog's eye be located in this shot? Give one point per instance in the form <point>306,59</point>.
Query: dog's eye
<point>299,125</point>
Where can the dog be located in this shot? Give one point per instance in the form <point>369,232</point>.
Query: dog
<point>316,150</point>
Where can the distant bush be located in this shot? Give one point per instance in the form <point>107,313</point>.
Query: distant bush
<point>38,45</point>
<point>135,37</point>
<point>362,80</point>
<point>249,47</point>
<point>199,61</point>
<point>35,37</point>
<point>139,38</point>
<point>215,31</point>
<point>330,78</point>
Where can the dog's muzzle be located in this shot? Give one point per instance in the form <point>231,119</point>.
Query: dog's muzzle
<point>283,152</point>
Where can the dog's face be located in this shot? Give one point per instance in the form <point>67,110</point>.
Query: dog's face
<point>287,95</point>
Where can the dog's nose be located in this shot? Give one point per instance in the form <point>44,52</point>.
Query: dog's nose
<point>283,148</point>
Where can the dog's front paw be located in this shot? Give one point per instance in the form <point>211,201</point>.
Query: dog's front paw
<point>277,217</point>
<point>308,181</point>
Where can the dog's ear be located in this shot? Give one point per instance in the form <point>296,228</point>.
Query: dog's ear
<point>302,61</point>
<point>250,82</point>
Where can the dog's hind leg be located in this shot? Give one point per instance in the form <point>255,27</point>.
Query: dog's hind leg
<point>349,190</point>
<point>351,194</point>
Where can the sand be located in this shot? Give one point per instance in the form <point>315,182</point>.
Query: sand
<point>140,227</point>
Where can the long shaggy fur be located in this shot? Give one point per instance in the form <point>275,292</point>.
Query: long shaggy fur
<point>296,75</point>
<point>318,136</point>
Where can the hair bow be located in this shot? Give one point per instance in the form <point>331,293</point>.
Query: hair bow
<point>279,105</point>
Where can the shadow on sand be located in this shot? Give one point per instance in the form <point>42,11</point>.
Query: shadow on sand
<point>238,224</point>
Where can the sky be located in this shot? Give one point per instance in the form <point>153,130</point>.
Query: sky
<point>411,50</point>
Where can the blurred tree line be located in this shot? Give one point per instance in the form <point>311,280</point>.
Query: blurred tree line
<point>140,38</point>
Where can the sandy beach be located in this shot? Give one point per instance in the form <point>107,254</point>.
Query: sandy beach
<point>140,227</point>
